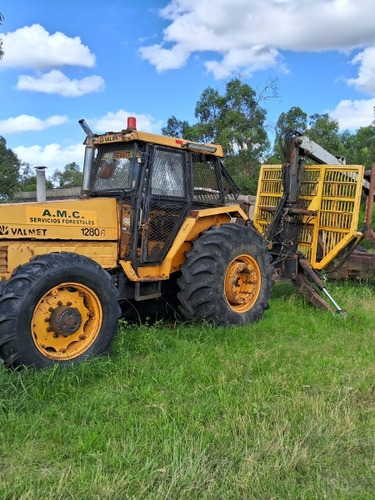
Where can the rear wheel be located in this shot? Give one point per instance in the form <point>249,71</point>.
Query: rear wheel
<point>227,276</point>
<point>57,308</point>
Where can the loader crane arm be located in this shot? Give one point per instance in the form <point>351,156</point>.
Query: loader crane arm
<point>297,147</point>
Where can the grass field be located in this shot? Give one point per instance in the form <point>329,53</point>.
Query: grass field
<point>282,409</point>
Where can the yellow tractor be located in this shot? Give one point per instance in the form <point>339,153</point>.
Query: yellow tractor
<point>158,225</point>
<point>157,222</point>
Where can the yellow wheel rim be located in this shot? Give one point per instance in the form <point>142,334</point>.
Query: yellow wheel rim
<point>66,321</point>
<point>242,283</point>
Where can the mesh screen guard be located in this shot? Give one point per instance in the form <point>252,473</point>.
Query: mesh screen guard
<point>166,205</point>
<point>332,192</point>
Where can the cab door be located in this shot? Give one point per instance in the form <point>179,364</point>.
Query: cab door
<point>165,202</point>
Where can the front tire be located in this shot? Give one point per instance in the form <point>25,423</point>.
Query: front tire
<point>58,308</point>
<point>227,276</point>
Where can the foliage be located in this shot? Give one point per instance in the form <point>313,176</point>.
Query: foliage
<point>16,176</point>
<point>325,131</point>
<point>320,128</point>
<point>360,147</point>
<point>294,119</point>
<point>178,128</point>
<point>280,409</point>
<point>71,176</point>
<point>27,179</point>
<point>357,147</point>
<point>9,171</point>
<point>235,120</point>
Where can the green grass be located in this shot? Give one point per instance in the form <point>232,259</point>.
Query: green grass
<point>283,409</point>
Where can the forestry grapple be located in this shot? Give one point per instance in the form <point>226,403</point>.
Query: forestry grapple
<point>309,214</point>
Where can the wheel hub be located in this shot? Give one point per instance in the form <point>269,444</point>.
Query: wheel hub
<point>65,320</point>
<point>242,283</point>
<point>238,276</point>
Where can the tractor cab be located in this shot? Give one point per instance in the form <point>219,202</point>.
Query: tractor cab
<point>149,164</point>
<point>158,181</point>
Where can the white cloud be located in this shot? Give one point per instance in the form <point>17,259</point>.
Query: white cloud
<point>366,73</point>
<point>117,121</point>
<point>247,60</point>
<point>352,115</point>
<point>55,82</point>
<point>35,48</point>
<point>28,123</point>
<point>164,59</point>
<point>53,156</point>
<point>233,28</point>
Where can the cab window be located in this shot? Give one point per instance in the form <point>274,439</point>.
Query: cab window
<point>168,173</point>
<point>114,170</point>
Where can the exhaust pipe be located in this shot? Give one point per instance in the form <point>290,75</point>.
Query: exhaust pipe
<point>89,159</point>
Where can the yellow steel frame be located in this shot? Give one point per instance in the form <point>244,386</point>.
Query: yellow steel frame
<point>15,251</point>
<point>332,193</point>
<point>196,223</point>
<point>135,135</point>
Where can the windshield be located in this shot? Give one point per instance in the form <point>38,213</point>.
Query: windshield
<point>114,170</point>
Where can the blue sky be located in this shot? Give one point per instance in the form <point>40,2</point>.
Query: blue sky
<point>103,61</point>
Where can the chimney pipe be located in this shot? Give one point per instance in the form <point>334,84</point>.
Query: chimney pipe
<point>41,194</point>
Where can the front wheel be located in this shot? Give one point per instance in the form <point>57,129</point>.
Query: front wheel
<point>57,308</point>
<point>227,276</point>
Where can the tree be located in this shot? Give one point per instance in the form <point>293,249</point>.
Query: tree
<point>71,176</point>
<point>294,119</point>
<point>235,120</point>
<point>177,128</point>
<point>360,146</point>
<point>27,179</point>
<point>320,128</point>
<point>325,131</point>
<point>9,171</point>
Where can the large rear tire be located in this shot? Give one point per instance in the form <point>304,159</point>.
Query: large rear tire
<point>227,276</point>
<point>59,308</point>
